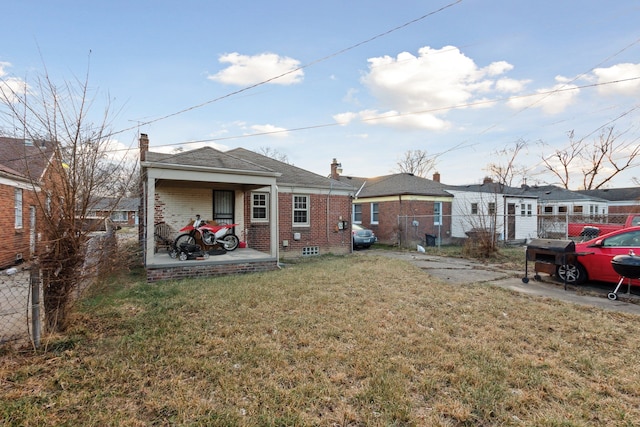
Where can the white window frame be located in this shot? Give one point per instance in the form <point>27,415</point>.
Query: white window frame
<point>375,210</point>
<point>437,213</point>
<point>264,206</point>
<point>306,209</point>
<point>474,209</point>
<point>357,213</point>
<point>18,198</point>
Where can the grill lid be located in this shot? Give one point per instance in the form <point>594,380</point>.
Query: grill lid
<point>552,245</point>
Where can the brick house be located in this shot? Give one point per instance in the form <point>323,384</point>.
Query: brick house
<point>23,165</point>
<point>281,210</point>
<point>621,201</point>
<point>122,211</point>
<point>400,208</point>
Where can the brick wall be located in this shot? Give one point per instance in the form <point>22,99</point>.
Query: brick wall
<point>208,270</point>
<point>387,228</point>
<point>177,205</point>
<point>323,230</point>
<point>16,239</point>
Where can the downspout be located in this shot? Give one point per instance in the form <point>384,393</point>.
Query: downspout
<point>328,210</point>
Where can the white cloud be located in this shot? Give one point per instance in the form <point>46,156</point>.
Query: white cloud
<point>10,87</point>
<point>433,82</point>
<point>247,70</point>
<point>271,130</point>
<point>551,100</point>
<point>619,72</point>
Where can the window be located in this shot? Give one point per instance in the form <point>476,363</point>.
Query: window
<point>374,213</point>
<point>474,209</point>
<point>577,209</point>
<point>548,209</point>
<point>562,209</point>
<point>259,207</point>
<point>119,216</point>
<point>529,209</point>
<point>18,208</point>
<point>357,214</point>
<point>492,208</point>
<point>300,210</point>
<point>437,213</point>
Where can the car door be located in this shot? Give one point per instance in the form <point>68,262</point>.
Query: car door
<point>618,244</point>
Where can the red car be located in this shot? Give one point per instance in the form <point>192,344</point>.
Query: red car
<point>595,255</point>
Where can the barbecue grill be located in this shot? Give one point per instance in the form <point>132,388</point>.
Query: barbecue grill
<point>547,255</point>
<point>628,267</point>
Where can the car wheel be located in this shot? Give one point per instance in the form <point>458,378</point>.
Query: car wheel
<point>572,273</point>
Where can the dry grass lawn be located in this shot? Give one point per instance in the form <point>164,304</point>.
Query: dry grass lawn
<point>335,341</point>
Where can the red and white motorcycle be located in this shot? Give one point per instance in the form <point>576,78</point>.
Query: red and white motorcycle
<point>210,235</point>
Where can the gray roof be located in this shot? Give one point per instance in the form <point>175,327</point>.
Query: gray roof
<point>25,158</point>
<point>628,194</point>
<point>551,193</point>
<point>290,175</point>
<point>115,204</point>
<point>206,157</point>
<point>397,184</point>
<point>494,188</point>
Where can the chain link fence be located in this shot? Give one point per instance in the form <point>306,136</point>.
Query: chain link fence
<point>509,228</point>
<point>20,314</point>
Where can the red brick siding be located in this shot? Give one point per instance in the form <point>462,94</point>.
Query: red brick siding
<point>208,270</point>
<point>17,241</point>
<point>388,212</point>
<point>323,230</point>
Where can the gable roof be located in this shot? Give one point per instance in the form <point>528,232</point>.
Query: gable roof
<point>290,174</point>
<point>397,184</point>
<point>25,158</point>
<point>552,193</point>
<point>494,188</point>
<point>628,194</point>
<point>206,157</point>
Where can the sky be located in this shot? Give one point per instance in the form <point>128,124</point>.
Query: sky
<point>360,81</point>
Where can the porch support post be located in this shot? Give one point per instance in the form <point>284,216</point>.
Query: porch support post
<point>150,218</point>
<point>273,223</point>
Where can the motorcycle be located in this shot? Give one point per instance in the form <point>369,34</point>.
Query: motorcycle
<point>210,235</point>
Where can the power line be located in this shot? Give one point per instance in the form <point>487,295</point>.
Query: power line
<point>302,67</point>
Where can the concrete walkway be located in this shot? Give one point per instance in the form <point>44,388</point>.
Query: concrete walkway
<point>457,271</point>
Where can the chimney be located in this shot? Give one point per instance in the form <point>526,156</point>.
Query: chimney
<point>487,180</point>
<point>144,146</point>
<point>436,176</point>
<point>336,169</point>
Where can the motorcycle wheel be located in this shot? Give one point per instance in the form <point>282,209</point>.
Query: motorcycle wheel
<point>184,238</point>
<point>230,242</point>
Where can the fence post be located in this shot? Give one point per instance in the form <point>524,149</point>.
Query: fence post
<point>35,304</point>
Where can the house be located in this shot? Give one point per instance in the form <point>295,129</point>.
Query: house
<point>509,212</point>
<point>621,201</point>
<point>122,211</point>
<point>281,210</point>
<point>23,164</point>
<point>558,206</point>
<point>400,208</point>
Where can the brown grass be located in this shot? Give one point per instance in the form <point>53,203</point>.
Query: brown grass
<point>337,341</point>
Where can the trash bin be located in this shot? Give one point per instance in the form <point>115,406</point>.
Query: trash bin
<point>429,240</point>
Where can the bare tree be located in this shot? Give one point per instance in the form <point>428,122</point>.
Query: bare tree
<point>81,168</point>
<point>274,154</point>
<point>416,162</point>
<point>597,162</point>
<point>505,173</point>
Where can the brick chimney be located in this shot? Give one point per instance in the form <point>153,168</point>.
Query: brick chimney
<point>144,146</point>
<point>487,180</point>
<point>336,169</point>
<point>436,176</point>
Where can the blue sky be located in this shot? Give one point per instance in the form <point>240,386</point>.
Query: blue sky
<point>456,79</point>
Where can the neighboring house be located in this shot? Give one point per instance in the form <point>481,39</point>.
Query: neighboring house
<point>23,164</point>
<point>621,201</point>
<point>400,208</point>
<point>507,211</point>
<point>122,211</point>
<point>558,206</point>
<point>281,210</point>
